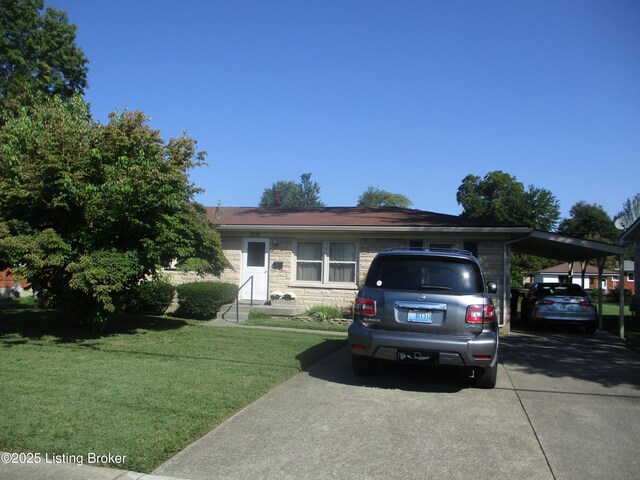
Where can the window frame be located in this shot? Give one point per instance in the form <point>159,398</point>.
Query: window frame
<point>326,263</point>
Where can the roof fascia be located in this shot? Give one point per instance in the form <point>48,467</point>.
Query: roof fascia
<point>369,229</point>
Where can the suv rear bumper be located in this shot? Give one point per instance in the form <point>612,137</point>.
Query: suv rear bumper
<point>479,350</point>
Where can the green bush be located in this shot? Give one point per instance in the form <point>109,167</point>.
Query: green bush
<point>322,313</point>
<point>614,296</point>
<point>151,297</point>
<point>202,300</point>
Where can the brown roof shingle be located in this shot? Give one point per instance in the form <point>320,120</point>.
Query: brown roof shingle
<point>342,217</point>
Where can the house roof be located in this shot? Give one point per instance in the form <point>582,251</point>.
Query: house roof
<point>563,269</point>
<point>523,239</point>
<point>351,219</point>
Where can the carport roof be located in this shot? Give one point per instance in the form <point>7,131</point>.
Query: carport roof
<point>559,247</point>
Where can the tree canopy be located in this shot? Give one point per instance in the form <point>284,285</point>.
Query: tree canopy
<point>88,210</point>
<point>305,194</point>
<point>499,196</point>
<point>38,51</point>
<point>589,221</point>
<point>376,197</point>
<point>630,210</point>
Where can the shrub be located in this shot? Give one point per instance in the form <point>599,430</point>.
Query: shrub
<point>202,300</point>
<point>151,297</point>
<point>323,313</point>
<point>614,296</point>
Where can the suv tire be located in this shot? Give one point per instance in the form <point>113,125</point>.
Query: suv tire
<point>485,377</point>
<point>363,366</point>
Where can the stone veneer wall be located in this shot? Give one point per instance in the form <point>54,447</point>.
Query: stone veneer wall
<point>490,255</point>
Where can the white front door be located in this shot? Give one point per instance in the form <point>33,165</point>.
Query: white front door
<point>255,263</point>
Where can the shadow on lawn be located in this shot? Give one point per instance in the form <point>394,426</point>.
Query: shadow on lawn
<point>20,322</point>
<point>312,355</point>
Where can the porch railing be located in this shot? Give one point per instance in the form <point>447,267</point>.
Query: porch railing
<point>250,279</point>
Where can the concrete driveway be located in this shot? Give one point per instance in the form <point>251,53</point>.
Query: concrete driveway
<point>566,406</point>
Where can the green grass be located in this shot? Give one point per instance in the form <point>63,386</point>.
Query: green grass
<point>146,388</point>
<point>263,320</point>
<point>613,309</point>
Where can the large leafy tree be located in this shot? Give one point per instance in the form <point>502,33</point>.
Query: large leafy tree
<point>589,221</point>
<point>304,194</point>
<point>38,51</point>
<point>499,196</point>
<point>376,197</point>
<point>87,210</point>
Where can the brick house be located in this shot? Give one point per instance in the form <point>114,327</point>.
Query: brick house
<point>321,255</point>
<point>9,285</point>
<point>562,272</point>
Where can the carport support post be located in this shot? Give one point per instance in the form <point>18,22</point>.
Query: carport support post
<point>621,282</point>
<point>600,275</point>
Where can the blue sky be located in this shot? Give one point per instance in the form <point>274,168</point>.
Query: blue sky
<point>409,96</point>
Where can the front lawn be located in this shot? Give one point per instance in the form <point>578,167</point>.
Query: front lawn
<point>146,388</point>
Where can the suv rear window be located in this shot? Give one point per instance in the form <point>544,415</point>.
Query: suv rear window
<point>409,272</point>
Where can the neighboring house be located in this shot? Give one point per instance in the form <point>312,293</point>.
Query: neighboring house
<point>321,255</point>
<point>10,287</point>
<point>629,278</point>
<point>631,236</point>
<point>561,273</point>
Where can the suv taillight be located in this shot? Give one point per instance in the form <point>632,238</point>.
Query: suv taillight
<point>481,313</point>
<point>365,306</point>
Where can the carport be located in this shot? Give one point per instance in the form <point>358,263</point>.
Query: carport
<point>570,250</point>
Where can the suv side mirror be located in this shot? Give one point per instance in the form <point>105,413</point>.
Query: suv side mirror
<point>492,287</point>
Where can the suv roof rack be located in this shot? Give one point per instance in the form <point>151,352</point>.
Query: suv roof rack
<point>434,250</point>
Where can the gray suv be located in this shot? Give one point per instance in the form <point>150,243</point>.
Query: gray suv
<point>429,307</point>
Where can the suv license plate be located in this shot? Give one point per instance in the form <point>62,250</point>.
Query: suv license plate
<point>415,316</point>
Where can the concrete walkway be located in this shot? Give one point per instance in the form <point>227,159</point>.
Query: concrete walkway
<point>567,406</point>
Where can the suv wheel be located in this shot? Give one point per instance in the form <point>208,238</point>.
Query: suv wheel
<point>363,366</point>
<point>485,377</point>
<point>591,328</point>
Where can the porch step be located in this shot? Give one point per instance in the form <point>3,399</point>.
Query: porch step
<point>228,312</point>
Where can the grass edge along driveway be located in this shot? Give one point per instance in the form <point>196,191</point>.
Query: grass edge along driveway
<point>142,392</point>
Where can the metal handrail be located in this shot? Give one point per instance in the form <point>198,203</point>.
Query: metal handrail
<point>250,279</point>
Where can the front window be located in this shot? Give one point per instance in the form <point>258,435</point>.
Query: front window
<point>326,262</point>
<point>309,264</point>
